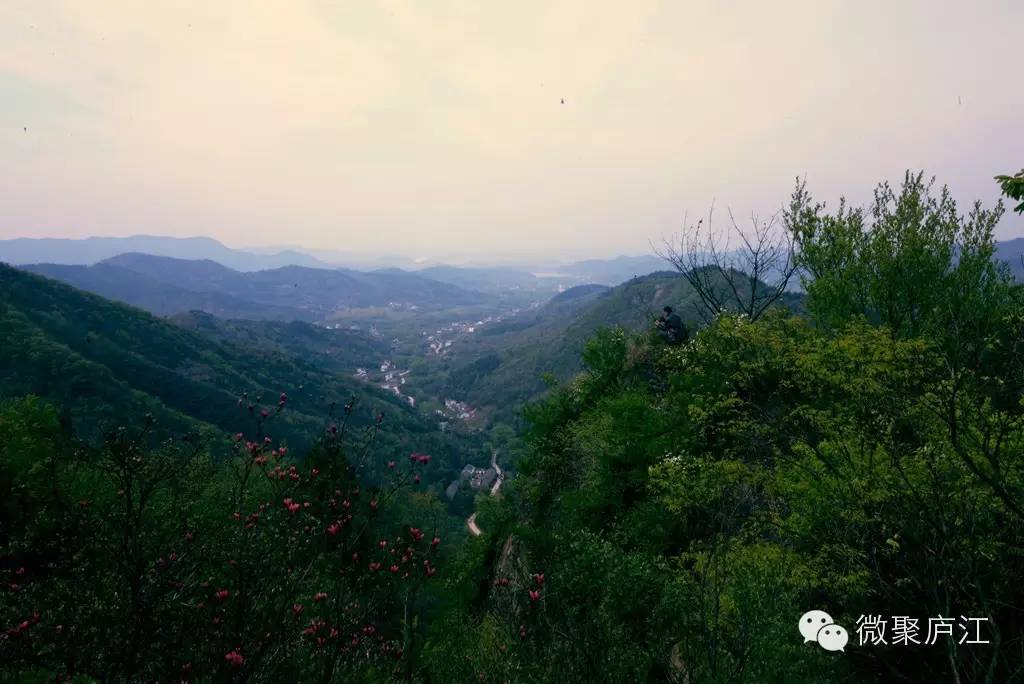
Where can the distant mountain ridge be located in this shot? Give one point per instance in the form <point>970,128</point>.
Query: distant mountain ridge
<point>92,250</point>
<point>165,285</point>
<point>158,296</point>
<point>1012,253</point>
<point>616,270</point>
<point>606,271</point>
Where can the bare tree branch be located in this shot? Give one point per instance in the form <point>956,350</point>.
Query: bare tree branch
<point>748,278</point>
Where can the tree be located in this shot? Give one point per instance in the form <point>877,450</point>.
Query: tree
<point>1013,187</point>
<point>741,270</point>
<point>910,262</point>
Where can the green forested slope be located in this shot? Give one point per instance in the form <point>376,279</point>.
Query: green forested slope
<point>681,507</point>
<point>549,342</point>
<point>108,364</point>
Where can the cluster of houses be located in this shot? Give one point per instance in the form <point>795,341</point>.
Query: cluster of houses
<point>391,379</point>
<point>458,410</point>
<point>441,340</point>
<point>476,478</point>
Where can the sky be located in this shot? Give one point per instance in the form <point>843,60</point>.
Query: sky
<point>432,128</point>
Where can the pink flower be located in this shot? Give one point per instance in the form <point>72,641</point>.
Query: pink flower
<point>539,578</point>
<point>238,436</point>
<point>320,596</point>
<point>375,566</point>
<point>534,596</point>
<point>373,505</point>
<point>435,542</point>
<point>264,413</point>
<point>315,472</point>
<point>333,529</point>
<point>297,609</point>
<point>416,533</point>
<point>222,595</point>
<point>391,465</point>
<point>235,658</point>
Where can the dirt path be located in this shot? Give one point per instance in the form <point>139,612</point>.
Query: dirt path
<point>501,474</point>
<point>474,529</point>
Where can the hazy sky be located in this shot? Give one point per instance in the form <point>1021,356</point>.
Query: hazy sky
<point>430,126</point>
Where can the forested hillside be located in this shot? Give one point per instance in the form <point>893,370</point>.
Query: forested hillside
<point>339,350</point>
<point>682,506</point>
<point>510,362</point>
<point>103,363</point>
<point>164,285</point>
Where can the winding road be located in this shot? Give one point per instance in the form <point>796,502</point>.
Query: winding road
<point>474,529</point>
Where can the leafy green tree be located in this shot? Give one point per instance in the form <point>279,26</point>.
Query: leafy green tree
<point>1013,187</point>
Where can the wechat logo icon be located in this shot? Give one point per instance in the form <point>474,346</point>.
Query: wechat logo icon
<point>818,626</point>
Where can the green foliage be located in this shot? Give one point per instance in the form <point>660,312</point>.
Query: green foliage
<point>1013,187</point>
<point>687,504</point>
<point>130,562</point>
<point>911,263</point>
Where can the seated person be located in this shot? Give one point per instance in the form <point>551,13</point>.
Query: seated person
<point>670,327</point>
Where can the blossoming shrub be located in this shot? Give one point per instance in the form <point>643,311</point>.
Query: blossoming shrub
<point>149,562</point>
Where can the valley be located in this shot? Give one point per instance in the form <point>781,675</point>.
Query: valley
<point>531,434</point>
